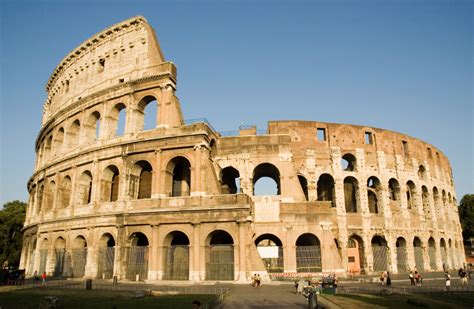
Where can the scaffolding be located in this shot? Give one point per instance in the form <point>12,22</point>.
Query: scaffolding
<point>106,263</point>
<point>176,262</point>
<point>308,259</point>
<point>137,266</point>
<point>220,262</point>
<point>79,260</point>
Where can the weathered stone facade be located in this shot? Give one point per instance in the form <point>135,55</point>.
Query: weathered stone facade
<point>177,201</point>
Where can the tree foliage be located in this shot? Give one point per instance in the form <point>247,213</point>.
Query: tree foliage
<point>466,215</point>
<point>12,217</point>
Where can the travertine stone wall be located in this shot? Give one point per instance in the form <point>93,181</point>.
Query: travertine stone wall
<point>337,186</point>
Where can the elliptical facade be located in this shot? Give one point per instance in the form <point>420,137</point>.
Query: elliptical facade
<point>112,197</point>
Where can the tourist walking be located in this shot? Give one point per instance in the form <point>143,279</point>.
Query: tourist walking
<point>43,278</point>
<point>412,278</point>
<point>447,277</point>
<point>463,277</point>
<point>389,280</point>
<point>36,277</point>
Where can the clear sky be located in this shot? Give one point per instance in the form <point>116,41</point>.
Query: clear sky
<point>406,66</point>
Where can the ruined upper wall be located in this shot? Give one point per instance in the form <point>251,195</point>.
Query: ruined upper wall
<point>123,52</point>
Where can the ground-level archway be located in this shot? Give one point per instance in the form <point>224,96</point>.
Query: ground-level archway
<point>380,253</point>
<point>432,253</point>
<point>308,254</point>
<point>61,258</point>
<point>355,254</point>
<point>418,251</point>
<point>219,256</point>
<point>105,266</point>
<point>270,249</point>
<point>401,246</point>
<point>79,257</point>
<point>176,256</point>
<point>137,257</point>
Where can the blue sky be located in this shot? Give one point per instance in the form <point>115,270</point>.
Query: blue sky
<point>406,66</point>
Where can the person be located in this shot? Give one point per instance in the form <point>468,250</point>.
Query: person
<point>258,281</point>
<point>196,304</point>
<point>334,283</point>
<point>447,277</point>
<point>412,278</point>
<point>463,277</point>
<point>382,278</point>
<point>301,284</point>
<point>389,280</point>
<point>254,280</point>
<point>36,277</point>
<point>43,278</point>
<point>419,280</point>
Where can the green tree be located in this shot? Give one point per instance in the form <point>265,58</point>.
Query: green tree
<point>12,217</point>
<point>466,215</point>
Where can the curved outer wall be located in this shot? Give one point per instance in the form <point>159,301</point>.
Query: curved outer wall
<point>391,206</point>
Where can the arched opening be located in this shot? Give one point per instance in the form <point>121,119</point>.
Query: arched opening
<point>212,148</point>
<point>380,253</point>
<point>65,192</point>
<point>451,253</point>
<point>426,203</point>
<point>266,180</point>
<point>348,162</point>
<point>141,180</point>
<point>43,255</point>
<point>436,200</point>
<point>31,256</point>
<point>444,200</point>
<point>270,249</point>
<point>179,177</point>
<point>401,245</point>
<point>73,134</point>
<point>79,257</point>
<point>117,120</point>
<point>48,148</point>
<point>418,251</point>
<point>444,254</point>
<point>304,186</point>
<point>325,188</point>
<point>373,194</point>
<point>105,265</point>
<point>219,256</point>
<point>308,254</point>
<point>40,197</point>
<point>176,256</point>
<point>422,172</point>
<point>432,253</point>
<point>84,192</point>
<point>148,106</point>
<point>137,258</point>
<point>92,127</point>
<point>110,184</point>
<point>394,190</point>
<point>58,141</point>
<point>50,193</point>
<point>355,254</point>
<point>60,268</point>
<point>351,192</point>
<point>411,195</point>
<point>230,180</point>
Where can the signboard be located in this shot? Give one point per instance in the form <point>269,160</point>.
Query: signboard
<point>268,252</point>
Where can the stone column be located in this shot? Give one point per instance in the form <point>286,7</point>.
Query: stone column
<point>157,190</point>
<point>410,256</point>
<point>197,265</point>
<point>241,275</point>
<point>119,270</point>
<point>195,189</point>
<point>289,253</point>
<point>155,253</point>
<point>368,253</point>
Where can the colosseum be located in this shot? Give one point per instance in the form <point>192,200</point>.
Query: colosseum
<point>115,196</point>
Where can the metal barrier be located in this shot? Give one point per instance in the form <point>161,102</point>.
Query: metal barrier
<point>220,262</point>
<point>308,259</point>
<point>106,263</point>
<point>137,266</point>
<point>79,260</point>
<point>404,290</point>
<point>176,262</point>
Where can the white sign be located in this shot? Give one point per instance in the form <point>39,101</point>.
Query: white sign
<point>268,252</point>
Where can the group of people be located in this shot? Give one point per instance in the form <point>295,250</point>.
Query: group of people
<point>256,281</point>
<point>43,277</point>
<point>415,278</point>
<point>385,278</point>
<point>463,277</point>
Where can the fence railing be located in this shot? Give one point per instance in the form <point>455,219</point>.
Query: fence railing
<point>404,290</point>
